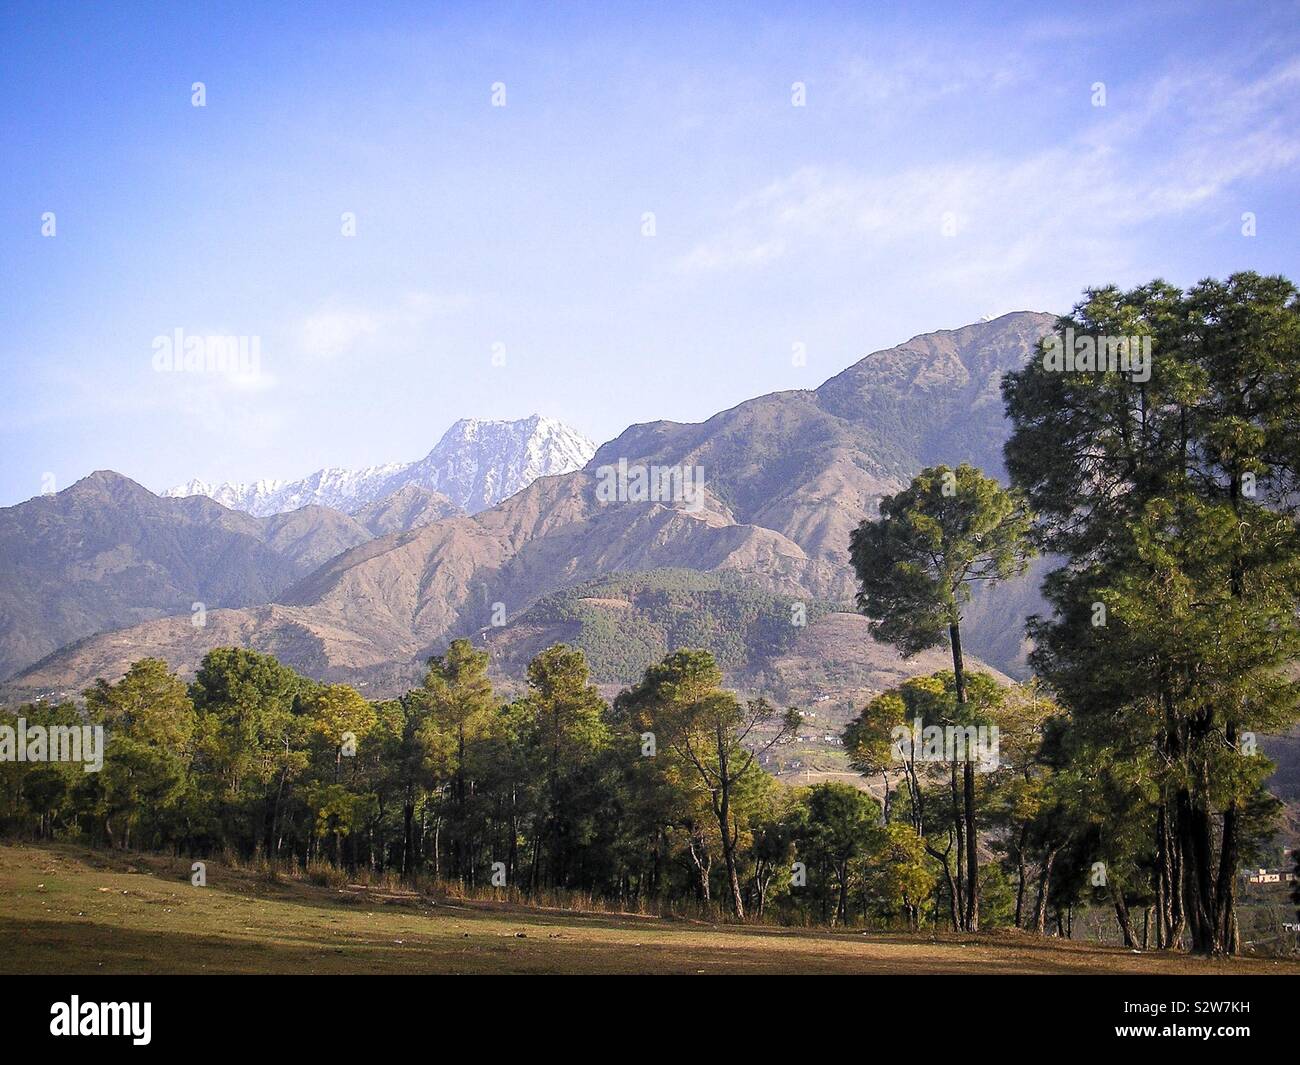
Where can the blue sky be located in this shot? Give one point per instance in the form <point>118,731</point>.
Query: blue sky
<point>949,163</point>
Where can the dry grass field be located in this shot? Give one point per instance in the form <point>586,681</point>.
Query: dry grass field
<point>67,910</point>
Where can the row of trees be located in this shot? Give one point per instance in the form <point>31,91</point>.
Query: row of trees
<point>1169,501</point>
<point>658,800</point>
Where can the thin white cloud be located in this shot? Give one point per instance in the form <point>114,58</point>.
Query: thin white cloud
<point>1009,217</point>
<point>339,330</point>
<point>330,333</point>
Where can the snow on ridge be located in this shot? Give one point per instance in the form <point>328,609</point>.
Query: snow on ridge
<point>476,464</point>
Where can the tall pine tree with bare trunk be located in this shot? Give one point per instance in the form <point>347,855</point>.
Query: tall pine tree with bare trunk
<point>916,564</point>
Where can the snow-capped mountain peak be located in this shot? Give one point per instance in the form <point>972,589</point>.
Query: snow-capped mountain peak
<point>476,464</point>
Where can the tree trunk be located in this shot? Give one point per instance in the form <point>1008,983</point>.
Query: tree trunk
<point>971,906</point>
<point>722,807</point>
<point>1122,916</point>
<point>408,839</point>
<point>954,894</point>
<point>1226,887</point>
<point>972,858</point>
<point>959,834</point>
<point>703,862</point>
<point>1169,929</point>
<point>1194,840</point>
<point>1044,881</point>
<point>1022,872</point>
<point>841,910</point>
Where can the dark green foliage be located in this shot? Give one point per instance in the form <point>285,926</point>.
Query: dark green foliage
<point>1173,499</point>
<point>840,825</point>
<point>556,791</point>
<point>916,563</point>
<point>722,613</point>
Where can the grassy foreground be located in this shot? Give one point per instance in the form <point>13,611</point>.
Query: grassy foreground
<point>68,910</point>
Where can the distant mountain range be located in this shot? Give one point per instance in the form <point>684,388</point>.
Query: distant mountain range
<point>474,466</point>
<point>107,553</point>
<point>786,477</point>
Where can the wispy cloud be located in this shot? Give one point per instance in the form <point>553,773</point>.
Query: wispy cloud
<point>331,332</point>
<point>1005,215</point>
<point>340,328</point>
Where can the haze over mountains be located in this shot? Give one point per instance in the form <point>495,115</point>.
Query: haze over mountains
<point>786,477</point>
<point>475,465</point>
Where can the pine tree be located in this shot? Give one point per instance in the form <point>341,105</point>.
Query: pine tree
<point>712,737</point>
<point>916,565</point>
<point>461,711</point>
<point>1171,494</point>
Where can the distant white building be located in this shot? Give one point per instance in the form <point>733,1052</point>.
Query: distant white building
<point>1265,876</point>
